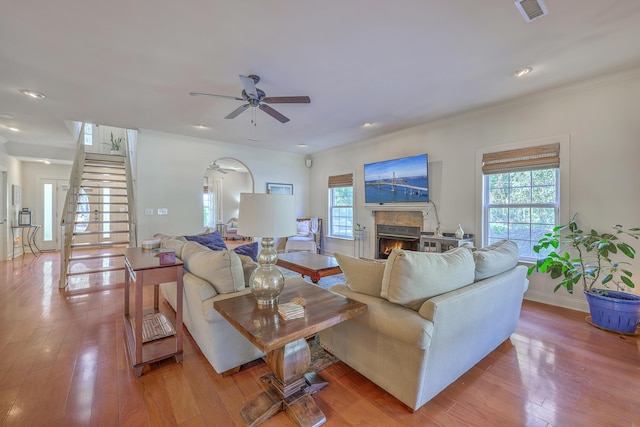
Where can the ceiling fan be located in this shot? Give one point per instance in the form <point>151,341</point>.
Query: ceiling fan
<point>215,167</point>
<point>257,98</point>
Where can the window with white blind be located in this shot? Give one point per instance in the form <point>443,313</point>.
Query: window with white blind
<point>521,197</point>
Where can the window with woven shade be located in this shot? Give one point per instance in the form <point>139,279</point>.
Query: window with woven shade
<point>341,206</point>
<point>521,195</point>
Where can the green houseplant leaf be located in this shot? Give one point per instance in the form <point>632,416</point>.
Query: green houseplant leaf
<point>593,257</point>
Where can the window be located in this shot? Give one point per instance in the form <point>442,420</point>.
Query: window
<point>88,134</point>
<point>208,213</point>
<point>521,196</point>
<point>341,206</point>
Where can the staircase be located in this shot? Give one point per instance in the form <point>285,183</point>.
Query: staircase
<point>100,225</point>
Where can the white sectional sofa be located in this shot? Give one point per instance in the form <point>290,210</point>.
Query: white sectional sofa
<point>430,318</point>
<point>209,276</point>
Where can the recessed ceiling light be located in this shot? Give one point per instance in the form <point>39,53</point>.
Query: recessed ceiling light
<point>6,116</point>
<point>522,72</point>
<point>11,128</point>
<point>32,93</point>
<point>303,145</point>
<point>367,124</point>
<point>200,126</point>
<point>46,162</point>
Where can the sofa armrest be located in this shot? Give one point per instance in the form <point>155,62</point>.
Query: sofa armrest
<point>197,287</point>
<point>389,319</point>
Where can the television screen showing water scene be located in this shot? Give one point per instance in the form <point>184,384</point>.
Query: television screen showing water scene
<point>402,180</point>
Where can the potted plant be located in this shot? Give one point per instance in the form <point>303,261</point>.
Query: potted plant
<point>359,232</point>
<point>593,261</point>
<point>115,144</point>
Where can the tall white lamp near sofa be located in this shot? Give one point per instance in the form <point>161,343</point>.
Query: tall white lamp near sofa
<point>266,216</point>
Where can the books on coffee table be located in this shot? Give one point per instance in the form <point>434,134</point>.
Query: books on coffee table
<point>290,310</point>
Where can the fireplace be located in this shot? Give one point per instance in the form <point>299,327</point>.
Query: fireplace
<point>390,237</point>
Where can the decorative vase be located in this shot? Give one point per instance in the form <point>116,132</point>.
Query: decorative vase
<point>459,232</point>
<point>613,310</point>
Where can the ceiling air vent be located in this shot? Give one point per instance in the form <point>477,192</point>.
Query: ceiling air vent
<point>531,9</point>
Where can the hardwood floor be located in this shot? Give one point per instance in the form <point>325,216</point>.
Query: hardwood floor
<point>64,364</point>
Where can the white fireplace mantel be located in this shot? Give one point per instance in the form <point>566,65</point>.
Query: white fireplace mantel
<point>425,209</point>
<point>429,220</point>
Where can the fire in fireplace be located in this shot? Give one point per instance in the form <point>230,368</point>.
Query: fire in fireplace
<point>390,237</point>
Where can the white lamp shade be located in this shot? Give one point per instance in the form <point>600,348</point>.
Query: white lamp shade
<point>266,215</point>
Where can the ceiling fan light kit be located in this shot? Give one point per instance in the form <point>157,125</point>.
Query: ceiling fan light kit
<point>257,98</point>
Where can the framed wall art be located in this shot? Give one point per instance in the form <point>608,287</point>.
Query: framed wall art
<point>275,188</point>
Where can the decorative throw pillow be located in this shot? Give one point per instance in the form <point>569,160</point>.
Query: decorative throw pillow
<point>213,241</point>
<point>223,269</point>
<point>304,228</point>
<point>362,275</point>
<point>495,258</point>
<point>410,278</point>
<point>250,250</point>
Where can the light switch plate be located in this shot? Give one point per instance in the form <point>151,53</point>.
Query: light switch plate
<point>162,211</point>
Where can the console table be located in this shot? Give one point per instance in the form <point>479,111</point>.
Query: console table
<point>283,341</point>
<point>31,238</point>
<point>144,269</point>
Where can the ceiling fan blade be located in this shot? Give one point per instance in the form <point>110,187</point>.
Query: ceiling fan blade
<point>237,111</point>
<point>249,86</point>
<point>217,96</point>
<point>287,100</point>
<point>273,113</point>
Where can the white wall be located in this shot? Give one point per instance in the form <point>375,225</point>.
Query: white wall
<point>13,168</point>
<point>599,117</point>
<point>171,168</point>
<point>233,184</point>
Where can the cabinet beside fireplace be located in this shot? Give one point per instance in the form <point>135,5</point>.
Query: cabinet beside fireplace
<point>429,242</point>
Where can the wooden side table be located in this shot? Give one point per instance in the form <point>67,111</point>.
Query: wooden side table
<point>287,350</point>
<point>142,268</point>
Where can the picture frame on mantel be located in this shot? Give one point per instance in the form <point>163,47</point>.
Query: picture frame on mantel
<point>276,188</point>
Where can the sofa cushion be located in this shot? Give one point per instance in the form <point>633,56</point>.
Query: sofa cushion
<point>250,250</point>
<point>410,278</point>
<point>495,259</point>
<point>304,228</point>
<point>174,244</point>
<point>362,275</point>
<point>223,269</point>
<point>213,240</point>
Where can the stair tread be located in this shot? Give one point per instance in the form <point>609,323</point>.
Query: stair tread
<point>93,271</point>
<point>95,256</point>
<point>97,245</point>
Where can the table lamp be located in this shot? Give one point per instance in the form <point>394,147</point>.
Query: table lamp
<point>266,216</point>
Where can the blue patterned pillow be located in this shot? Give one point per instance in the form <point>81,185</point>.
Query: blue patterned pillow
<point>250,250</point>
<point>213,241</point>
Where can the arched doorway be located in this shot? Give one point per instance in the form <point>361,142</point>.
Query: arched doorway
<point>224,180</point>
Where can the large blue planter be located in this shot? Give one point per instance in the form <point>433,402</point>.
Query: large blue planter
<point>615,311</point>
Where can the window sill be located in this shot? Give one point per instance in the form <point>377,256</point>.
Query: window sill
<point>340,238</point>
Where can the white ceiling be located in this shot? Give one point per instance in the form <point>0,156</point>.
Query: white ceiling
<point>131,64</point>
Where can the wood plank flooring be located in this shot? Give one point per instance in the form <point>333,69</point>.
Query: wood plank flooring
<point>64,364</point>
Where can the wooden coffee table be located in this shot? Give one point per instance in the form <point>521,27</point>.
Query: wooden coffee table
<point>288,354</point>
<point>309,264</point>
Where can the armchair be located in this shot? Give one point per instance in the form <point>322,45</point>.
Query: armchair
<point>308,237</point>
<point>231,229</point>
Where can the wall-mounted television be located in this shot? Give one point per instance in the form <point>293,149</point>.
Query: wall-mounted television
<point>403,180</point>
